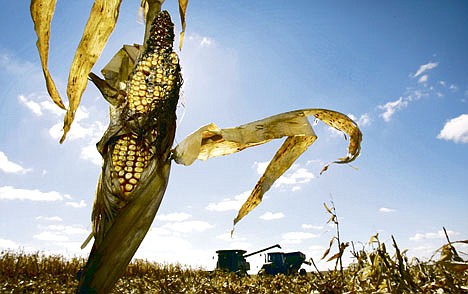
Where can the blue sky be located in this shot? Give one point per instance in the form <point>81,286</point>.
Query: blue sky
<point>399,69</point>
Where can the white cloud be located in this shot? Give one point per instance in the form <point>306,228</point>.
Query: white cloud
<point>386,210</point>
<point>174,217</point>
<point>67,230</point>
<point>364,119</point>
<point>49,218</point>
<point>11,167</point>
<point>51,236</point>
<point>455,130</point>
<point>81,129</point>
<point>391,107</point>
<point>18,67</point>
<point>39,104</point>
<point>74,204</point>
<point>298,175</point>
<point>426,67</point>
<point>32,105</point>
<point>77,131</point>
<point>313,227</point>
<point>453,88</point>
<point>335,133</point>
<point>272,216</point>
<point>229,203</point>
<point>206,42</point>
<point>295,177</point>
<point>228,238</point>
<point>8,244</point>
<point>89,152</point>
<point>296,237</point>
<point>188,226</point>
<point>201,41</point>
<point>261,166</point>
<point>11,193</point>
<point>423,79</point>
<point>437,235</point>
<point>160,246</point>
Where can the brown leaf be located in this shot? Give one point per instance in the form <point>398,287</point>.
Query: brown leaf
<point>327,208</point>
<point>335,256</point>
<point>456,266</point>
<point>210,141</point>
<point>325,253</point>
<point>100,25</point>
<point>42,12</point>
<point>182,11</point>
<point>342,123</point>
<point>288,153</point>
<point>332,240</point>
<point>118,69</point>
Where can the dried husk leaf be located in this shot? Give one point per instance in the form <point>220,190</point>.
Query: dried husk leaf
<point>127,231</point>
<point>116,74</point>
<point>291,149</point>
<point>182,12</point>
<point>100,25</point>
<point>211,141</point>
<point>342,123</point>
<point>42,12</point>
<point>327,208</point>
<point>456,266</point>
<point>118,69</point>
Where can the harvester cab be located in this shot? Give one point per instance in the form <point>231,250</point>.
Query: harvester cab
<point>234,260</point>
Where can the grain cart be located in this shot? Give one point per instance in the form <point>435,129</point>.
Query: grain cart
<point>234,260</point>
<point>283,263</point>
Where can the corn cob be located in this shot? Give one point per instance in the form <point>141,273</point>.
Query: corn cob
<point>152,93</point>
<point>136,149</point>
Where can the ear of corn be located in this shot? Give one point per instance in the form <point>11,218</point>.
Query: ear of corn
<point>153,88</point>
<point>136,149</point>
<point>152,93</point>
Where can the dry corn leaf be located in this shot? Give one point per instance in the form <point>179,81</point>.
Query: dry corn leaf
<point>456,266</point>
<point>118,69</point>
<point>374,239</point>
<point>342,123</point>
<point>42,12</point>
<point>182,12</point>
<point>291,149</point>
<point>332,240</point>
<point>100,25</point>
<point>211,141</point>
<point>335,256</point>
<point>327,208</point>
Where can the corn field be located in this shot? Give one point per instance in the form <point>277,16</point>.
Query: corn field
<point>374,271</point>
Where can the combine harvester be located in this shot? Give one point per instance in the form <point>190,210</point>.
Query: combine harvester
<point>275,262</point>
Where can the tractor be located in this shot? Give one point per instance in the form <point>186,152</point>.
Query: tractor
<point>234,260</point>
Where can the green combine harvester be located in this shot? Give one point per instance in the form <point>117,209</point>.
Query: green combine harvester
<point>275,262</point>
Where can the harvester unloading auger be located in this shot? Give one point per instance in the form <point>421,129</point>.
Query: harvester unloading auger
<point>234,260</point>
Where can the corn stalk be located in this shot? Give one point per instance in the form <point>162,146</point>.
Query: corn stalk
<point>142,84</point>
